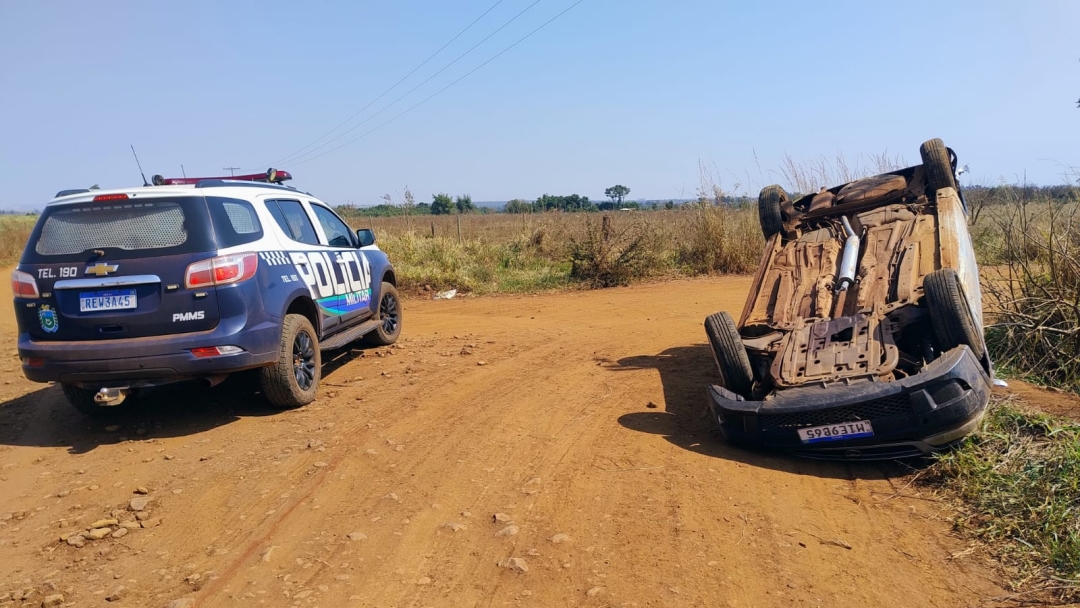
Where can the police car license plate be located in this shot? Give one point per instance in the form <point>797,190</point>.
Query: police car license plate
<point>120,299</point>
<point>836,432</point>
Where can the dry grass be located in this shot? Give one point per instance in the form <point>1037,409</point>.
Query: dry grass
<point>1017,481</point>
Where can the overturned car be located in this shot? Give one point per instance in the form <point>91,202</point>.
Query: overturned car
<point>862,333</point>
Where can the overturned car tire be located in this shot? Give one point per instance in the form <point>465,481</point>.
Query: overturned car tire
<point>950,314</point>
<point>729,352</point>
<point>938,166</point>
<point>769,205</point>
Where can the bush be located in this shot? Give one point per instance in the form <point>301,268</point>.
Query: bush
<point>1032,290</point>
<point>602,256</point>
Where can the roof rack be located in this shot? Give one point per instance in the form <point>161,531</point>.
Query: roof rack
<point>272,176</point>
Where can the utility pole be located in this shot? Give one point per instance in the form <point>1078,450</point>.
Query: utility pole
<point>232,170</point>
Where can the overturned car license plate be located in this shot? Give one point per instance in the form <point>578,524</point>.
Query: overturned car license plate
<point>120,299</point>
<point>835,432</point>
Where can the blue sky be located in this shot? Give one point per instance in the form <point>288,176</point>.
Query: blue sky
<point>631,91</point>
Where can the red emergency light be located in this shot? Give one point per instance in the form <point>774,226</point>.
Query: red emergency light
<point>272,176</point>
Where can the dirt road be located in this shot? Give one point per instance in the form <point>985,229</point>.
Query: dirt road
<point>579,418</point>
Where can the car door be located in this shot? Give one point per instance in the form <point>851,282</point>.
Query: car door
<point>351,270</point>
<point>305,251</point>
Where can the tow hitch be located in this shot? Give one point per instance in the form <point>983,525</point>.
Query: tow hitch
<point>110,397</point>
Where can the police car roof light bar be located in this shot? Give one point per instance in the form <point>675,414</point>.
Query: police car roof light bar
<point>271,176</point>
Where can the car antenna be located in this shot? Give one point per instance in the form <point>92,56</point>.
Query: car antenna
<point>144,182</point>
<point>182,171</point>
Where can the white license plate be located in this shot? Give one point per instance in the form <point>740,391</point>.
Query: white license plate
<point>119,299</point>
<point>836,432</point>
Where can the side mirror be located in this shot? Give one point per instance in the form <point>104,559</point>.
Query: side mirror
<point>365,236</point>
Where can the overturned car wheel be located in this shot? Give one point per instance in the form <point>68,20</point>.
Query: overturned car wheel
<point>769,204</point>
<point>730,355</point>
<point>938,165</point>
<point>950,314</point>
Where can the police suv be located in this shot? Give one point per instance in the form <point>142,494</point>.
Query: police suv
<point>194,279</point>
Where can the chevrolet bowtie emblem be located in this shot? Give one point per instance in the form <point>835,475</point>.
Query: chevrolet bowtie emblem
<point>101,269</point>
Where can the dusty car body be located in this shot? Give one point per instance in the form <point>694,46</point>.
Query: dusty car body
<point>862,333</point>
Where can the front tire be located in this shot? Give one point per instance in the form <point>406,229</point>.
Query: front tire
<point>82,399</point>
<point>293,380</point>
<point>730,354</point>
<point>390,313</point>
<point>950,314</point>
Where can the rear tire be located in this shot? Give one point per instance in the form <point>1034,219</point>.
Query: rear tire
<point>293,380</point>
<point>950,314</point>
<point>390,313</point>
<point>938,166</point>
<point>82,399</point>
<point>730,354</point>
<point>770,201</point>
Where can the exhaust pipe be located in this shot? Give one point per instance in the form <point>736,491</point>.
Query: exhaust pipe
<point>850,258</point>
<point>111,397</point>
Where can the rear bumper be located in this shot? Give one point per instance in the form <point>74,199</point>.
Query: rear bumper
<point>925,413</point>
<point>148,361</point>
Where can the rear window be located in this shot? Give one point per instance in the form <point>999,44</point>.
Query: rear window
<point>123,229</point>
<point>235,221</point>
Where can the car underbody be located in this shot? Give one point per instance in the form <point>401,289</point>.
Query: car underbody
<point>857,301</point>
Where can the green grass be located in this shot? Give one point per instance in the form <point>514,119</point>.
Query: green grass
<point>1018,481</point>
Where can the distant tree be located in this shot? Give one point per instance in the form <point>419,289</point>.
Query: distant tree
<point>464,204</point>
<point>669,205</point>
<point>617,193</point>
<point>442,204</point>
<point>517,206</point>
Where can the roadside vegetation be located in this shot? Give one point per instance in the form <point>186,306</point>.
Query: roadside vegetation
<point>1017,485</point>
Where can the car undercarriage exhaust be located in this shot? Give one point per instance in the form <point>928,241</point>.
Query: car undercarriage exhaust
<point>851,257</point>
<point>111,397</point>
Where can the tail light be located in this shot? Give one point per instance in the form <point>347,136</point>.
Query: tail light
<point>23,285</point>
<point>222,270</point>
<point>215,351</point>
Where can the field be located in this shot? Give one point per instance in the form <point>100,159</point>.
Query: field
<point>543,368</point>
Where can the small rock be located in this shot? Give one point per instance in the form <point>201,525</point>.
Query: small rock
<point>502,517</point>
<point>112,428</point>
<point>153,522</point>
<point>560,538</point>
<point>121,533</point>
<point>117,594</point>
<point>266,553</point>
<point>514,563</point>
<point>141,490</point>
<point>321,464</point>
<point>595,591</point>
<point>142,515</point>
<point>466,514</point>
<point>455,527</point>
<point>371,451</point>
<point>99,533</point>
<point>55,599</point>
<point>139,503</point>
<point>424,580</point>
<point>391,496</point>
<point>131,525</point>
<point>481,362</point>
<point>76,540</point>
<point>194,578</point>
<point>651,405</point>
<point>184,602</point>
<point>510,530</point>
<point>168,457</point>
<point>102,523</point>
<point>357,536</point>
